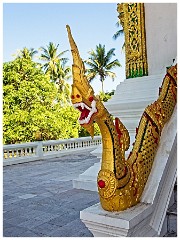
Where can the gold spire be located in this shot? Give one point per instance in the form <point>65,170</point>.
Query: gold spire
<point>75,53</point>
<point>79,78</point>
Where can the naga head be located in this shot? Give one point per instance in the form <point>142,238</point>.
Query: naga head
<point>82,96</point>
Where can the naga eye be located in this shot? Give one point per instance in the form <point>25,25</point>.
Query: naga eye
<point>78,96</point>
<point>91,98</point>
<point>101,183</point>
<point>72,96</point>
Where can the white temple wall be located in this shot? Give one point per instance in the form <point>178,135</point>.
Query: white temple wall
<point>161,35</point>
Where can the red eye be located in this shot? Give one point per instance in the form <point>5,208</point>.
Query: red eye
<point>91,98</point>
<point>72,96</point>
<point>78,96</point>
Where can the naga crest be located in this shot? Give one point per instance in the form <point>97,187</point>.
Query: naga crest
<point>82,96</point>
<point>121,182</point>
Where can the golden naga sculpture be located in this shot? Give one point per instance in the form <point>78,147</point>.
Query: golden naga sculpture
<point>121,182</point>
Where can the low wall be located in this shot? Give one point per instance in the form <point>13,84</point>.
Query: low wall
<point>32,151</point>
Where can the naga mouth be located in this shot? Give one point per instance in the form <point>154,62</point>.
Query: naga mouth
<point>86,112</point>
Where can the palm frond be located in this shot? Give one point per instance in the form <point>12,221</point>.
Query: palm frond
<point>100,63</point>
<point>118,34</point>
<point>113,64</point>
<point>91,76</point>
<point>62,53</point>
<point>110,74</point>
<point>92,64</point>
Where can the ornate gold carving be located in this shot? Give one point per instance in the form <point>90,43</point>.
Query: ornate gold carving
<point>121,182</point>
<point>131,17</point>
<point>110,183</point>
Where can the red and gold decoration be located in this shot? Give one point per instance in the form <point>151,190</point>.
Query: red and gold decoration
<point>121,182</point>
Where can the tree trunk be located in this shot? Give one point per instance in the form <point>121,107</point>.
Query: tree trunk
<point>102,84</point>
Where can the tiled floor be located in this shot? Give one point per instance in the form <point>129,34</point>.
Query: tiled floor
<point>39,199</point>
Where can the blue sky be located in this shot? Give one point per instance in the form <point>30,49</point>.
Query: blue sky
<point>36,24</point>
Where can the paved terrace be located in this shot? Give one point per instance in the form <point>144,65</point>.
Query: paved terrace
<point>39,199</point>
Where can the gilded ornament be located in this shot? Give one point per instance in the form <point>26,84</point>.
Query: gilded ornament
<point>121,182</point>
<point>132,19</point>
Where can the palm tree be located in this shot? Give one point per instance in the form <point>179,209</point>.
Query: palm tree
<point>27,53</point>
<point>63,73</point>
<point>101,65</point>
<point>52,58</point>
<point>62,76</point>
<point>32,52</point>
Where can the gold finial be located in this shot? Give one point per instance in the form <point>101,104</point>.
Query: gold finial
<point>75,53</point>
<point>78,69</point>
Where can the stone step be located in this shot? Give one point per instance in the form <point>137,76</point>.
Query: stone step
<point>172,217</point>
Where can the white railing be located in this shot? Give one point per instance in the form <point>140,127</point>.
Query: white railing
<point>25,152</point>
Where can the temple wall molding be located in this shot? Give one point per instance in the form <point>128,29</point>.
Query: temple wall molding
<point>161,35</point>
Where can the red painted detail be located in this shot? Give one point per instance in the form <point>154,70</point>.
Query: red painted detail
<point>78,96</point>
<point>84,112</point>
<point>72,96</point>
<point>117,128</point>
<point>130,154</point>
<point>174,94</point>
<point>137,130</point>
<point>135,192</point>
<point>101,183</point>
<point>160,90</point>
<point>157,115</point>
<point>91,98</point>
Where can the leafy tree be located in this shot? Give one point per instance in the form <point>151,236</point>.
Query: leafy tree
<point>104,97</point>
<point>31,111</point>
<point>84,133</point>
<point>101,65</point>
<point>27,53</point>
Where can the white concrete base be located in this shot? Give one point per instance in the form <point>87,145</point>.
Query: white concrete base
<point>114,224</point>
<point>148,218</point>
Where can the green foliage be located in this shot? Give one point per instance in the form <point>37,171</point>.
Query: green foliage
<point>27,53</point>
<point>104,97</point>
<point>36,103</point>
<point>31,109</point>
<point>53,60</point>
<point>101,65</point>
<point>55,67</point>
<point>84,133</point>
